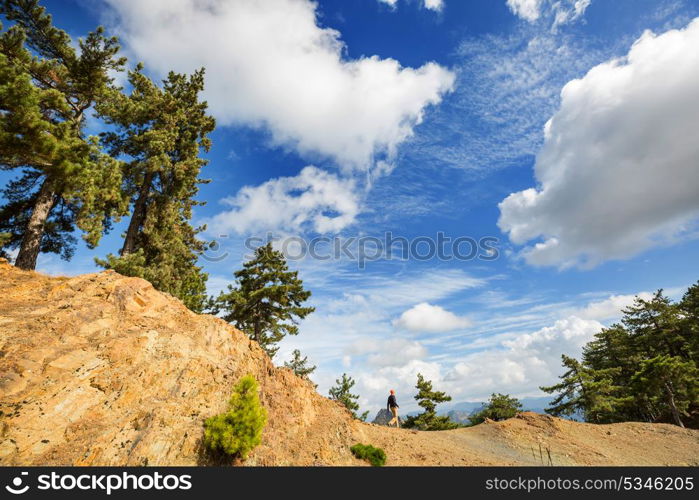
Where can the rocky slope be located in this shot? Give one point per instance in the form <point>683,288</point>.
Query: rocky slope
<point>101,369</point>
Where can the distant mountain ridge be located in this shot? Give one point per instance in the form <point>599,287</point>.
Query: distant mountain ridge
<point>536,404</point>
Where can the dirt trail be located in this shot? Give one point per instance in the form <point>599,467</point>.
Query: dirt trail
<point>529,438</point>
<point>101,369</point>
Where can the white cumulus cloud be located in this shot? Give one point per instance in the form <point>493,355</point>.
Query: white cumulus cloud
<point>425,317</point>
<point>610,308</point>
<point>521,365</point>
<point>269,64</point>
<point>618,170</point>
<point>314,199</point>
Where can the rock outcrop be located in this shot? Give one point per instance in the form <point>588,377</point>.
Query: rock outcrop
<point>383,417</point>
<point>101,369</point>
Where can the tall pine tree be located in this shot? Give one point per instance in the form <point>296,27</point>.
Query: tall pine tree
<point>267,301</point>
<point>162,132</point>
<point>47,88</point>
<point>641,369</point>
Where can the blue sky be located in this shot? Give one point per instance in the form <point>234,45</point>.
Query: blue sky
<point>357,118</point>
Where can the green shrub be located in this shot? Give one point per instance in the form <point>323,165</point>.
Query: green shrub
<point>237,431</point>
<point>375,456</point>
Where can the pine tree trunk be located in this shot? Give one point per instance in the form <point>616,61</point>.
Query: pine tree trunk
<point>256,331</point>
<point>673,406</point>
<point>139,215</point>
<point>34,232</point>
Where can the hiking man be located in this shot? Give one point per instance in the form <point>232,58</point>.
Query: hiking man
<point>392,406</point>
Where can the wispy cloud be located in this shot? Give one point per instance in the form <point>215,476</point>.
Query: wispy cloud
<point>434,5</point>
<point>507,87</point>
<point>555,12</point>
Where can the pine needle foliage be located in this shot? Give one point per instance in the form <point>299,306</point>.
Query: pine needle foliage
<point>238,431</point>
